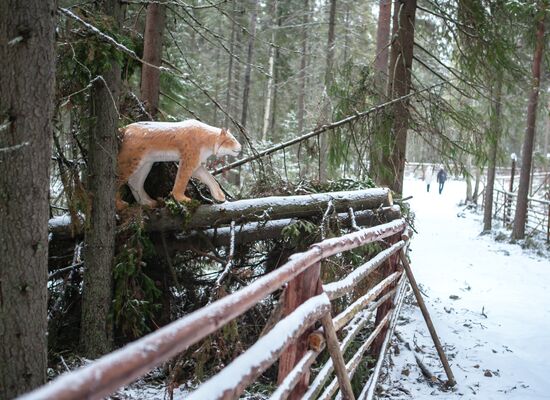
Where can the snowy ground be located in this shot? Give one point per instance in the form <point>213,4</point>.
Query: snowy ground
<point>503,354</point>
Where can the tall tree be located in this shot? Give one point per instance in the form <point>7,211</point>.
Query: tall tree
<point>152,54</point>
<point>379,136</point>
<point>382,44</point>
<point>271,68</point>
<point>399,85</point>
<point>329,77</point>
<point>96,329</point>
<point>27,81</point>
<point>229,92</point>
<point>518,231</point>
<point>248,67</point>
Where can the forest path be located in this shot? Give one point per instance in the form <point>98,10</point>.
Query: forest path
<point>502,354</point>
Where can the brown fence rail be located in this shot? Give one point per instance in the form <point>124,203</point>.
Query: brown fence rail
<point>293,341</point>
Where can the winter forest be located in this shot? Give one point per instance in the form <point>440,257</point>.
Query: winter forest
<point>302,199</point>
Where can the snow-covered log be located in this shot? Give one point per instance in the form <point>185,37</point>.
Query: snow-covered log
<point>251,210</point>
<point>270,208</point>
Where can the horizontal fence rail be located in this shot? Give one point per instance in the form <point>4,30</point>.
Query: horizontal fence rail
<point>129,363</point>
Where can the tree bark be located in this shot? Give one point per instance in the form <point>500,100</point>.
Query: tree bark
<point>162,175</point>
<point>270,81</point>
<point>27,88</point>
<point>302,71</point>
<point>248,68</point>
<point>518,231</point>
<point>475,195</point>
<point>152,54</point>
<point>382,45</point>
<point>399,85</point>
<point>493,152</point>
<point>379,134</point>
<point>96,329</point>
<point>329,76</point>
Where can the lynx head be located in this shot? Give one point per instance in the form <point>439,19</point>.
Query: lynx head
<point>227,145</point>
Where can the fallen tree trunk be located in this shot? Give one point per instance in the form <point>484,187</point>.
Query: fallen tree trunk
<point>249,210</point>
<point>270,208</point>
<point>257,219</point>
<point>255,231</point>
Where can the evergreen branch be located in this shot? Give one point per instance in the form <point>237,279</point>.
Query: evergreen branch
<point>440,76</point>
<point>110,40</point>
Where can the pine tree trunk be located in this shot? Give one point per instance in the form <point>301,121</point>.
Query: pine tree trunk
<point>162,175</point>
<point>493,152</point>
<point>152,54</point>
<point>475,195</point>
<point>273,119</point>
<point>271,80</point>
<point>327,108</point>
<point>382,45</point>
<point>236,100</point>
<point>347,29</point>
<point>27,88</point>
<point>518,231</point>
<point>469,190</point>
<point>399,85</point>
<point>302,71</point>
<point>248,68</point>
<point>229,93</point>
<point>96,329</point>
<point>379,135</point>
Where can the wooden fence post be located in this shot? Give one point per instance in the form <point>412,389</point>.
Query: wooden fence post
<point>389,267</point>
<point>451,379</point>
<point>298,290</point>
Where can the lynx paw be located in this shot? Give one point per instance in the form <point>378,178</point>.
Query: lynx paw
<point>218,195</point>
<point>181,198</point>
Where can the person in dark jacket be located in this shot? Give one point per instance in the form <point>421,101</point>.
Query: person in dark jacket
<point>441,178</point>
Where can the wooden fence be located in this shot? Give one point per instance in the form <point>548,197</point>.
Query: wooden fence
<point>538,213</point>
<point>296,340</point>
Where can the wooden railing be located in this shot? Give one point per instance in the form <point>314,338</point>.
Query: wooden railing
<point>295,340</point>
<point>538,213</point>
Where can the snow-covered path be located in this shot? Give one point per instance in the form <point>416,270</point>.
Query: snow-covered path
<point>503,355</point>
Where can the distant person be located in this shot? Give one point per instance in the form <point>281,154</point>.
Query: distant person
<point>428,175</point>
<point>441,178</point>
